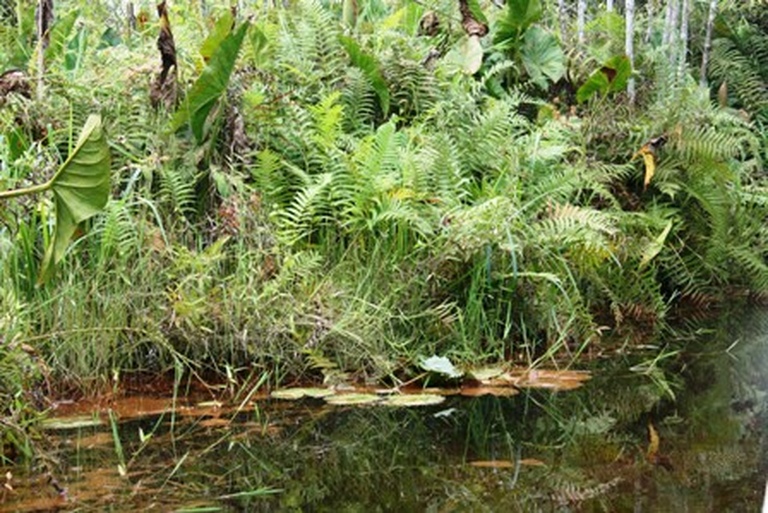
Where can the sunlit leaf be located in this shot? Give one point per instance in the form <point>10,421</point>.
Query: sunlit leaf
<point>77,422</point>
<point>486,373</point>
<point>655,247</point>
<point>221,29</point>
<point>496,391</point>
<point>472,55</point>
<point>441,365</point>
<point>413,400</point>
<point>299,393</point>
<point>211,84</point>
<point>80,190</point>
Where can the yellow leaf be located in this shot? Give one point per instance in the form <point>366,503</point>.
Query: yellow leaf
<point>650,167</point>
<point>653,444</point>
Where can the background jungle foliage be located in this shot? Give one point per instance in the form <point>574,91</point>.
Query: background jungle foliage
<point>336,191</point>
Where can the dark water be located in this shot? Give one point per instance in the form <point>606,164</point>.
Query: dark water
<point>590,449</point>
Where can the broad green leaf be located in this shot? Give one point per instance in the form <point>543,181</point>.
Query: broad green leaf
<point>611,77</point>
<point>520,15</point>
<point>221,29</point>
<point>441,365</point>
<point>472,55</point>
<point>368,65</point>
<point>80,190</point>
<point>542,57</point>
<point>211,84</point>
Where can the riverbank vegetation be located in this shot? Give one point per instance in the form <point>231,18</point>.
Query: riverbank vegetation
<point>327,192</point>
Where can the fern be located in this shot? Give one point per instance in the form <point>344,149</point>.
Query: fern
<point>177,188</point>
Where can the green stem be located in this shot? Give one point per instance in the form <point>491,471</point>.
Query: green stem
<point>33,189</point>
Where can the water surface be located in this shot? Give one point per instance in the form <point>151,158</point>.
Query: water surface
<point>679,433</point>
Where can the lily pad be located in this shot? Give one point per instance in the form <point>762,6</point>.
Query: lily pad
<point>77,422</point>
<point>441,365</point>
<point>413,400</point>
<point>350,399</point>
<point>294,394</point>
<point>486,373</point>
<point>489,390</point>
<point>493,464</point>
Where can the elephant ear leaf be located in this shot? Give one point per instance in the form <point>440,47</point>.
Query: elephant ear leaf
<point>80,190</point>
<point>211,84</point>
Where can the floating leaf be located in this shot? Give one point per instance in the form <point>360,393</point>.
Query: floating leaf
<point>441,365</point>
<point>80,190</point>
<point>493,464</point>
<point>552,379</point>
<point>76,422</point>
<point>299,393</point>
<point>496,391</point>
<point>486,373</point>
<point>413,400</point>
<point>352,399</point>
<point>211,85</point>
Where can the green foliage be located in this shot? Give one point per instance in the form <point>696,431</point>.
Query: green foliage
<point>211,84</point>
<point>611,77</point>
<point>370,68</point>
<point>80,188</point>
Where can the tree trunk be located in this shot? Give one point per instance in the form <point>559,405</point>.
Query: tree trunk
<point>581,16</point>
<point>684,18</point>
<point>649,29</point>
<point>609,5</point>
<point>43,20</point>
<point>707,42</point>
<point>629,44</point>
<point>562,16</point>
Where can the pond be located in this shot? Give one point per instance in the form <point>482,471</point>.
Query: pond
<point>679,432</point>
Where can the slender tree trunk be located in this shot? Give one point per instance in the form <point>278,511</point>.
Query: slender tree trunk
<point>649,28</point>
<point>581,17</point>
<point>684,18</point>
<point>707,43</point>
<point>562,16</point>
<point>130,15</point>
<point>629,44</point>
<point>609,6</point>
<point>668,21</point>
<point>43,20</point>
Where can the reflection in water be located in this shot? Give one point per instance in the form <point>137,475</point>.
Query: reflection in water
<point>582,450</point>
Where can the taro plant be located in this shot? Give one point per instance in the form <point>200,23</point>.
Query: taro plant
<point>80,190</point>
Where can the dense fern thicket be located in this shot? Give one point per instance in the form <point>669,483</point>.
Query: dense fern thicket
<point>367,194</point>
